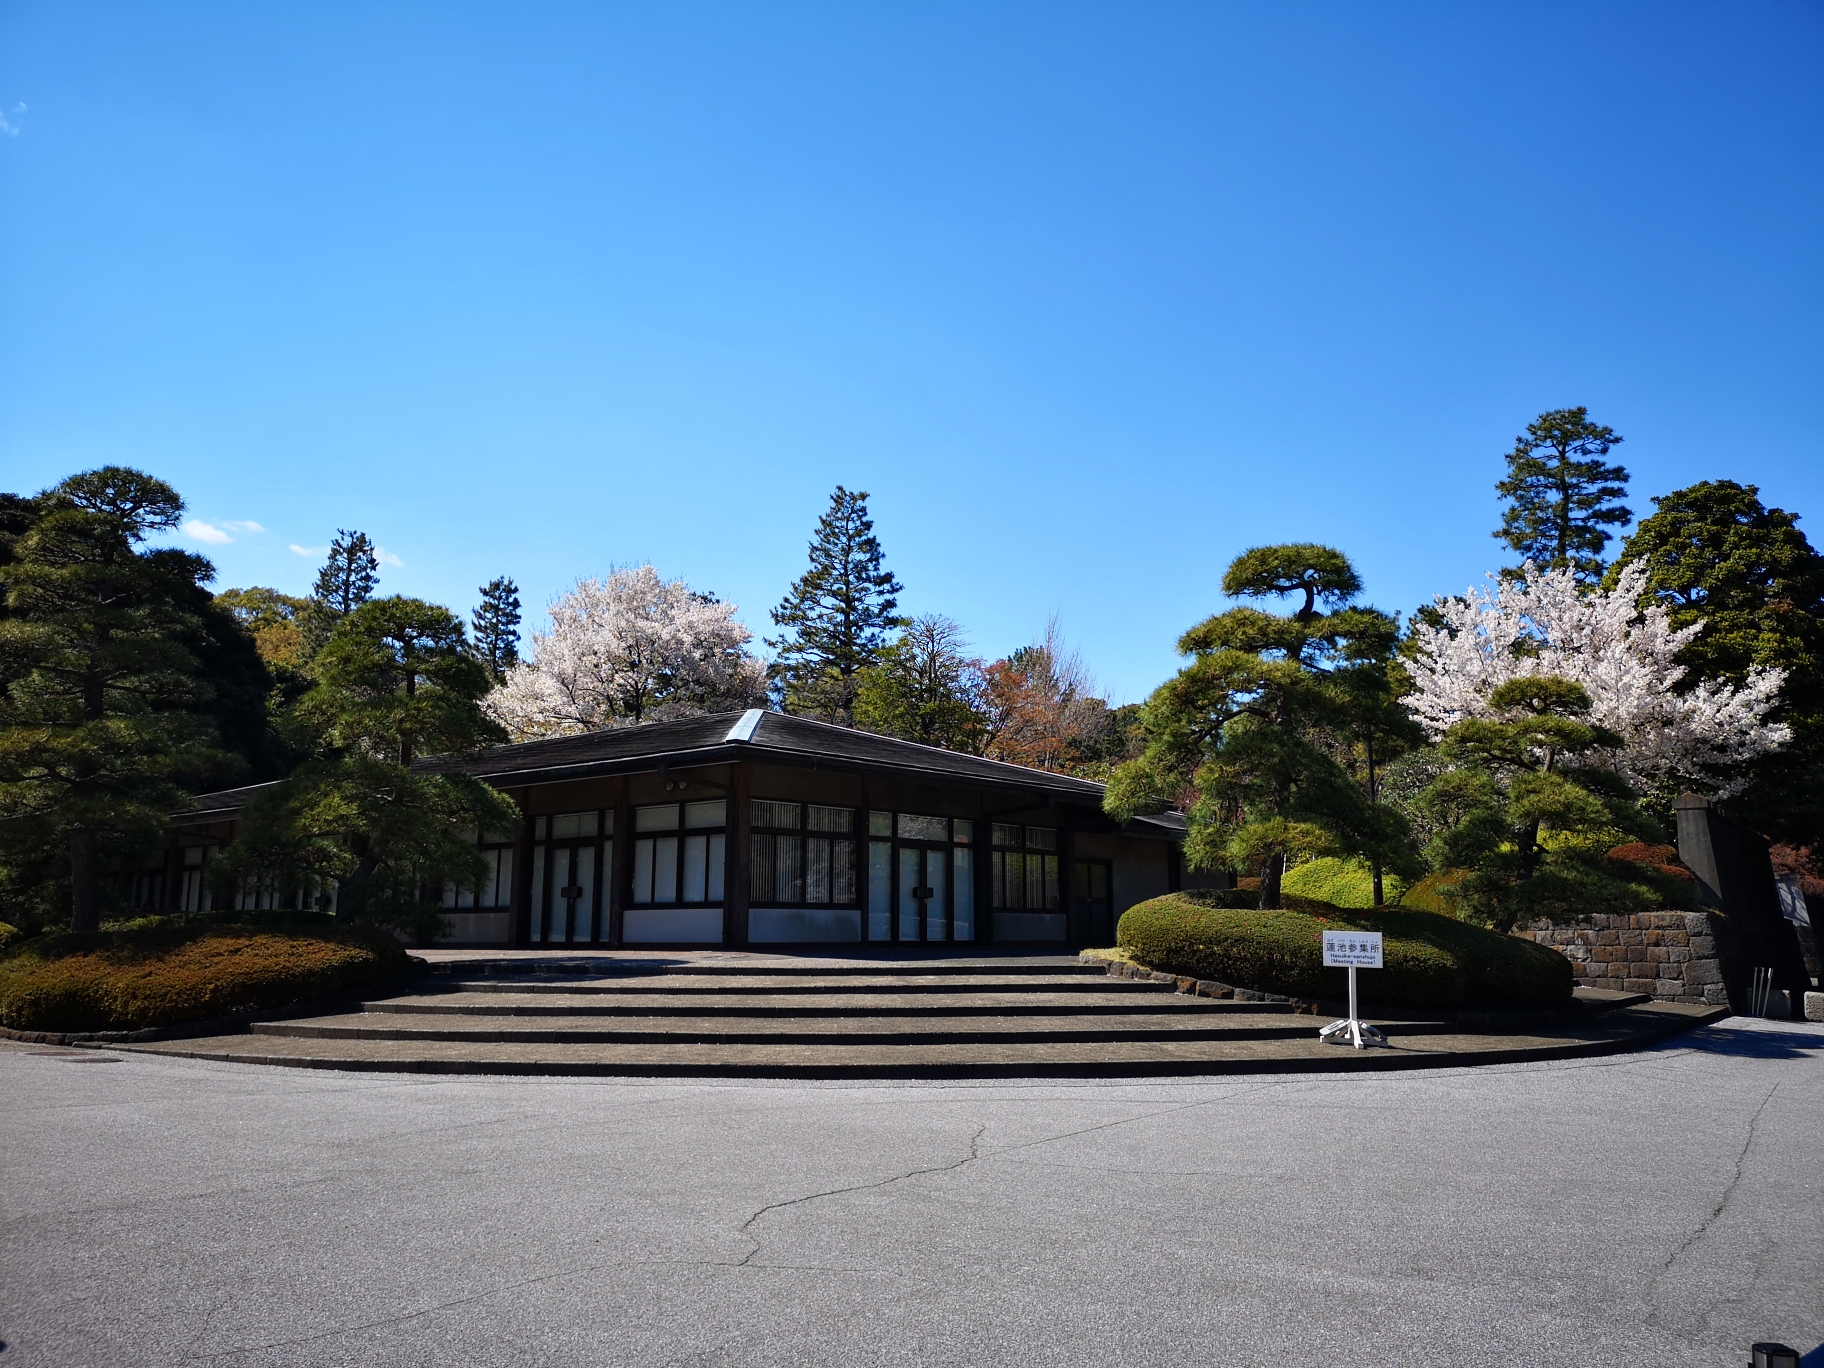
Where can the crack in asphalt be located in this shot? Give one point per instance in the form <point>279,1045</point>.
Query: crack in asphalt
<point>741,1230</point>
<point>1728,1191</point>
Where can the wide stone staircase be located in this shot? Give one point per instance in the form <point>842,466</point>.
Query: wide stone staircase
<point>787,1017</point>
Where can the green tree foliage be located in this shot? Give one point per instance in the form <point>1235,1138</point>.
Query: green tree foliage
<point>836,616</point>
<point>103,715</point>
<point>1715,554</point>
<point>274,620</point>
<point>1562,495</point>
<point>925,687</point>
<point>395,683</point>
<point>1521,810</point>
<point>496,628</point>
<point>346,581</point>
<point>1247,732</point>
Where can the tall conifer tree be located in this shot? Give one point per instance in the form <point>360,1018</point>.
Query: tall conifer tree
<point>1562,495</point>
<point>348,578</point>
<point>836,616</point>
<point>102,713</point>
<point>496,628</point>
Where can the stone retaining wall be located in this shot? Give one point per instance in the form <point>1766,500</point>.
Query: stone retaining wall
<point>1671,955</point>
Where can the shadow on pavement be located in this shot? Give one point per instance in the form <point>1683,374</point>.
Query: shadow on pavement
<point>1768,1041</point>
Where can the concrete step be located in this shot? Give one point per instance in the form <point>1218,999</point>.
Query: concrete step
<point>820,1031</point>
<point>807,984</point>
<point>776,966</point>
<point>1608,1033</point>
<point>478,1002</point>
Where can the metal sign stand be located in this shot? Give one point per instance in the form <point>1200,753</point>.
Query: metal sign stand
<point>1352,1029</point>
<point>1346,949</point>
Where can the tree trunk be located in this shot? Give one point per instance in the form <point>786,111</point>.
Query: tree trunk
<point>1270,875</point>
<point>1529,852</point>
<point>85,882</point>
<point>1380,897</point>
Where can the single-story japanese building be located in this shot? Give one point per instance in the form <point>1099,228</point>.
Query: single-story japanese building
<point>756,829</point>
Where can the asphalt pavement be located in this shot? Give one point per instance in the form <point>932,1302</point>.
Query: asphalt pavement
<point>1663,1208</point>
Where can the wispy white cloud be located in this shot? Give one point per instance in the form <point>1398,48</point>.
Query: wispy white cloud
<point>312,551</point>
<point>248,526</point>
<point>386,557</point>
<point>7,127</point>
<point>198,530</point>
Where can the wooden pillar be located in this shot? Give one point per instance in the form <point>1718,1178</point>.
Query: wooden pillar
<point>522,873</point>
<point>735,855</point>
<point>984,881</point>
<point>620,871</point>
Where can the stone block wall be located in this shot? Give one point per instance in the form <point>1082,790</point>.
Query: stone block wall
<point>1671,955</point>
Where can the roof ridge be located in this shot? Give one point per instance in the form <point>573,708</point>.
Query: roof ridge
<point>939,750</point>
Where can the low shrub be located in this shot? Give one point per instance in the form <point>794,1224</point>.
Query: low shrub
<point>161,974</point>
<point>1347,883</point>
<point>9,934</point>
<point>1432,962</point>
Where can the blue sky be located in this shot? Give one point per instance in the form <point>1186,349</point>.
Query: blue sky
<point>1089,297</point>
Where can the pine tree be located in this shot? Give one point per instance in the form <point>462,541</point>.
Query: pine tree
<point>1249,727</point>
<point>1562,495</point>
<point>837,615</point>
<point>102,713</point>
<point>396,685</point>
<point>495,626</point>
<point>348,578</point>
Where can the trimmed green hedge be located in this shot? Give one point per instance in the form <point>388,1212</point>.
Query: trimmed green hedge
<point>1431,961</point>
<point>159,974</point>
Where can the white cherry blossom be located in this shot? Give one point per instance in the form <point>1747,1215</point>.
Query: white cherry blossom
<point>630,648</point>
<point>1625,656</point>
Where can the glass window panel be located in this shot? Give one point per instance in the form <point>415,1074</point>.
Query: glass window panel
<point>842,871</point>
<point>913,828</point>
<point>503,884</point>
<point>449,895</point>
<point>642,871</point>
<point>830,819</point>
<point>540,829</point>
<point>788,878</point>
<point>762,861</point>
<point>937,906</point>
<point>559,924</point>
<point>880,824</point>
<point>606,882</point>
<point>696,869</point>
<point>582,881</point>
<point>770,814</point>
<point>1008,836</point>
<point>1035,881</point>
<point>568,825</point>
<point>909,870</point>
<point>965,831</point>
<point>1051,882</point>
<point>880,891</point>
<point>962,918</point>
<point>665,869</point>
<point>817,869</point>
<point>718,864</point>
<point>656,818</point>
<point>1041,838</point>
<point>608,823</point>
<point>538,892</point>
<point>708,814</point>
<point>1013,892</point>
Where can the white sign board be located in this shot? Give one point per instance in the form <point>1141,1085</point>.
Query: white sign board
<point>1352,949</point>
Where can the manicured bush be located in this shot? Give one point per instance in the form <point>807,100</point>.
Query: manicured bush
<point>9,934</point>
<point>160,974</point>
<point>1347,883</point>
<point>1432,962</point>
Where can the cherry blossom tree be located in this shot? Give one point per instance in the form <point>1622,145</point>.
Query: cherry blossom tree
<point>628,649</point>
<point>1624,656</point>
